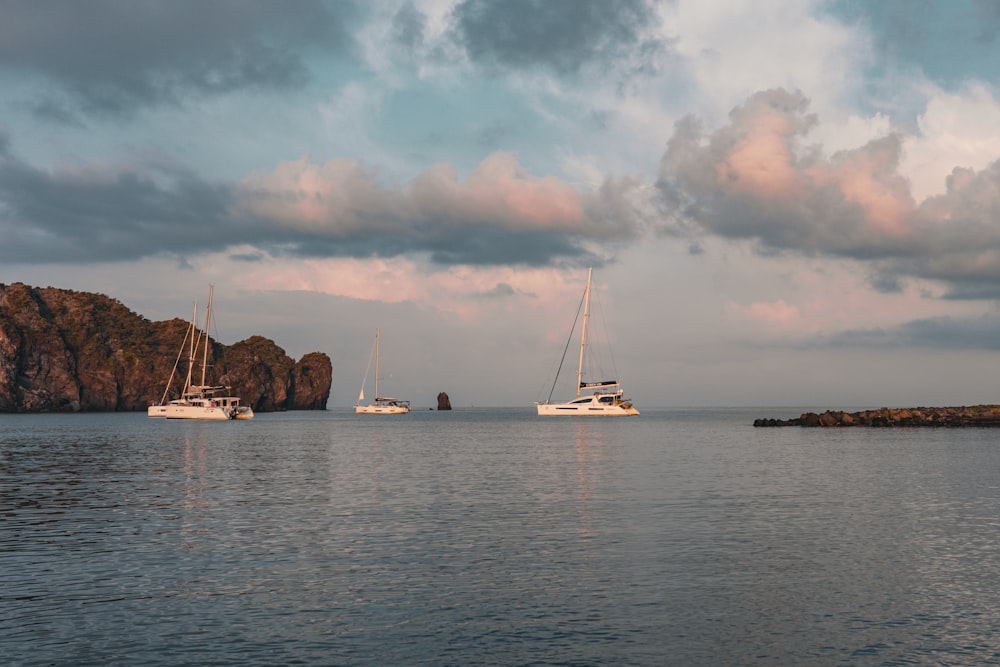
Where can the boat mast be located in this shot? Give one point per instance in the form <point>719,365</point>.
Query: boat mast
<point>361,394</point>
<point>191,349</point>
<point>376,363</point>
<point>583,333</point>
<point>208,327</point>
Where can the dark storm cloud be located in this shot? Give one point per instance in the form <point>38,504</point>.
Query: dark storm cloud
<point>757,179</point>
<point>506,246</point>
<point>96,213</point>
<point>938,333</point>
<point>501,290</point>
<point>408,27</point>
<point>561,35</point>
<point>77,217</point>
<point>52,111</point>
<point>115,56</point>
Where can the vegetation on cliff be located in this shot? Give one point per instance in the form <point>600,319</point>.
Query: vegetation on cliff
<point>62,350</point>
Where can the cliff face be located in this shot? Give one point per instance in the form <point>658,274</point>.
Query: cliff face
<point>62,350</point>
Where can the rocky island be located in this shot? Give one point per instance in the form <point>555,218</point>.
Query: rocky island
<point>67,351</point>
<point>954,417</point>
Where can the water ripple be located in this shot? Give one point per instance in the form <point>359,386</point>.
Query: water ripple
<point>492,537</point>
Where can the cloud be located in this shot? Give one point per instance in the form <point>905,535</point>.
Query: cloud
<point>504,290</point>
<point>956,128</point>
<point>757,179</point>
<point>562,36</point>
<point>409,26</point>
<point>938,333</point>
<point>114,57</point>
<point>97,213</point>
<point>51,110</point>
<point>947,42</point>
<point>499,214</point>
<point>471,292</point>
<point>777,313</point>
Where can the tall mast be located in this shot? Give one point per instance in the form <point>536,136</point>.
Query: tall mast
<point>208,327</point>
<point>376,364</point>
<point>191,349</point>
<point>583,332</point>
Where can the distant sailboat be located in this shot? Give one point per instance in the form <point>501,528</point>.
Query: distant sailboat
<point>381,405</point>
<point>199,401</point>
<point>607,399</point>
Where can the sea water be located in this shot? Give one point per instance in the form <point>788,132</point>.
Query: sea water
<point>495,537</point>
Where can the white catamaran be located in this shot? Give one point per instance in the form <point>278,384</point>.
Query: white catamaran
<point>381,405</point>
<point>607,399</point>
<point>199,401</point>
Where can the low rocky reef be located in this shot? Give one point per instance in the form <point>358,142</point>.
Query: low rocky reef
<point>954,417</point>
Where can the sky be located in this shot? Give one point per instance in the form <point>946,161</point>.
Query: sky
<point>784,203</point>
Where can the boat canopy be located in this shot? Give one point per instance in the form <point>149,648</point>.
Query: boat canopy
<point>601,383</point>
<point>207,388</point>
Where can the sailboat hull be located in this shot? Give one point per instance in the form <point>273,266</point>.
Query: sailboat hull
<point>588,407</point>
<point>198,412</point>
<point>217,410</point>
<point>381,409</point>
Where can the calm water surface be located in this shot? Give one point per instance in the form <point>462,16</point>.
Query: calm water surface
<point>494,537</point>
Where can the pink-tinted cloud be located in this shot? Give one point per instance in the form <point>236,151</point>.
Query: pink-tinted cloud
<point>500,189</point>
<point>777,313</point>
<point>806,298</point>
<point>499,214</point>
<point>760,159</point>
<point>758,179</point>
<point>868,177</point>
<point>465,291</point>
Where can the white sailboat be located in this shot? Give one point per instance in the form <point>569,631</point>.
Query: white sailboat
<point>607,399</point>
<point>382,405</point>
<point>199,401</point>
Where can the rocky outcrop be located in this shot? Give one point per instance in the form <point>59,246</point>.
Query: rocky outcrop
<point>444,403</point>
<point>954,417</point>
<point>62,350</point>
